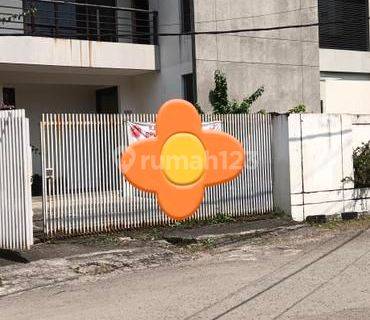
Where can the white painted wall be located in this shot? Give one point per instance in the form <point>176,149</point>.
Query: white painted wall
<point>320,158</point>
<point>76,53</point>
<point>344,61</point>
<point>346,96</point>
<point>360,130</point>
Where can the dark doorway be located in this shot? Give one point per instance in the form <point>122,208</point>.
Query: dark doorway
<point>9,97</point>
<point>107,100</point>
<point>141,22</point>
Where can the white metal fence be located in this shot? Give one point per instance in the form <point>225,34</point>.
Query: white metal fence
<point>15,181</point>
<point>84,191</point>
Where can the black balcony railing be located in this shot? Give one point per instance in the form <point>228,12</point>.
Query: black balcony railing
<point>98,20</point>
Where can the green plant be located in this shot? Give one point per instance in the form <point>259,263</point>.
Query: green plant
<point>222,218</point>
<point>361,165</point>
<point>301,108</point>
<point>219,99</point>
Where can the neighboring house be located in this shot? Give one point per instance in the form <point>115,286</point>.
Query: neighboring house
<point>104,56</point>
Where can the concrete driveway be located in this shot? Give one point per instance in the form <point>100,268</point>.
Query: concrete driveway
<point>287,277</point>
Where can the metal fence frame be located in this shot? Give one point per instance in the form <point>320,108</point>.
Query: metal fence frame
<point>84,192</point>
<point>16,228</point>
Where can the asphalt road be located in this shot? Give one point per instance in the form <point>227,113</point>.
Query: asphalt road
<point>328,279</point>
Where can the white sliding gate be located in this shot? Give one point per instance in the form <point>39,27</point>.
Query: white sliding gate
<point>84,192</point>
<point>16,229</point>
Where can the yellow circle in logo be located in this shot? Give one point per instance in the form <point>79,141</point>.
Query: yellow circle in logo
<point>183,159</point>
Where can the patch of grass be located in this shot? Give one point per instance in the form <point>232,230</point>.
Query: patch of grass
<point>279,214</point>
<point>100,240</point>
<point>222,218</point>
<point>218,219</point>
<point>337,223</point>
<point>147,233</point>
<point>206,244</point>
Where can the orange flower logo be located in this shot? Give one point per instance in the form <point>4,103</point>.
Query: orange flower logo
<point>182,160</point>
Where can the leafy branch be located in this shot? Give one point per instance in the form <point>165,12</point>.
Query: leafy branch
<point>218,97</point>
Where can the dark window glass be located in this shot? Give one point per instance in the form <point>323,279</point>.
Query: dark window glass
<point>186,20</point>
<point>188,87</point>
<point>344,24</point>
<point>9,97</point>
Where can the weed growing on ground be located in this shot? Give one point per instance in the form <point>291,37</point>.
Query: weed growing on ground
<point>337,223</point>
<point>217,219</point>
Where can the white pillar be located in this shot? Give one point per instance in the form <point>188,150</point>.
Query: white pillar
<point>312,156</point>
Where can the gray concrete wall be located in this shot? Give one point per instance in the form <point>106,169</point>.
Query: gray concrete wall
<point>281,173</point>
<point>286,62</point>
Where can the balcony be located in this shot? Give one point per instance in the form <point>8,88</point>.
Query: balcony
<point>72,34</point>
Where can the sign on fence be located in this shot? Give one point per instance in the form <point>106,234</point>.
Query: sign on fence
<point>138,131</point>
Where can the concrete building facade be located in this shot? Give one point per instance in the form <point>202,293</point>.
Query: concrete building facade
<point>106,56</point>
<point>285,62</point>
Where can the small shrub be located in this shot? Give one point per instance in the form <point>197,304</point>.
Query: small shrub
<point>361,165</point>
<point>301,108</point>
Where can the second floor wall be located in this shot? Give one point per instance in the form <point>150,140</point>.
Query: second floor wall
<point>285,62</point>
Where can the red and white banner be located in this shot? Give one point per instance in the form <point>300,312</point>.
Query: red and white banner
<point>138,131</point>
